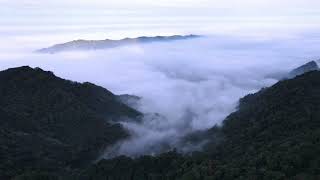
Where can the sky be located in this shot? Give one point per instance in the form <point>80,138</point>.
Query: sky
<point>121,18</point>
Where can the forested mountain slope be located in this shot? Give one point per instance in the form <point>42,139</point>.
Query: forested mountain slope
<point>49,123</point>
<point>275,134</point>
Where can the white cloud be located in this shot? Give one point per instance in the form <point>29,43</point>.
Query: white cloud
<point>194,83</point>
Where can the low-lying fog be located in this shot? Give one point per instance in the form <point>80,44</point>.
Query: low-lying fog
<point>194,84</point>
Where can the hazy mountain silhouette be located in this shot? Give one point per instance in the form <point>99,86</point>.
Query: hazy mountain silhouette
<point>81,45</point>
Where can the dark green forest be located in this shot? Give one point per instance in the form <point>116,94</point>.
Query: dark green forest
<point>51,124</point>
<point>274,134</point>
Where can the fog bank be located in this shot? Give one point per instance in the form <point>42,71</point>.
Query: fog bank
<point>191,84</point>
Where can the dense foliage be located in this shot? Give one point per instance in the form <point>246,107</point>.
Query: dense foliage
<point>275,134</point>
<point>49,123</point>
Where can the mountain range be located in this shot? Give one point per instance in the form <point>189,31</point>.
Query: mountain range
<point>52,128</point>
<point>84,45</point>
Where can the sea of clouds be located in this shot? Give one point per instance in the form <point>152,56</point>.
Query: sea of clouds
<point>185,86</point>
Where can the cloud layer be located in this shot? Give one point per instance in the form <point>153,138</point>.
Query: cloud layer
<point>191,85</point>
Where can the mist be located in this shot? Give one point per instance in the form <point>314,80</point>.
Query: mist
<point>185,86</point>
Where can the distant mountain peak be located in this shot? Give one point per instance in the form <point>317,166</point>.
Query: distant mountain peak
<point>85,45</point>
<point>310,66</point>
<point>307,67</point>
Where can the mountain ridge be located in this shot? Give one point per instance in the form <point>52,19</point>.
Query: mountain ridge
<point>50,124</point>
<point>80,44</point>
<point>274,134</point>
<point>307,67</point>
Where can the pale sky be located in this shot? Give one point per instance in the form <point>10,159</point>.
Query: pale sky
<point>120,18</point>
<point>25,9</point>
